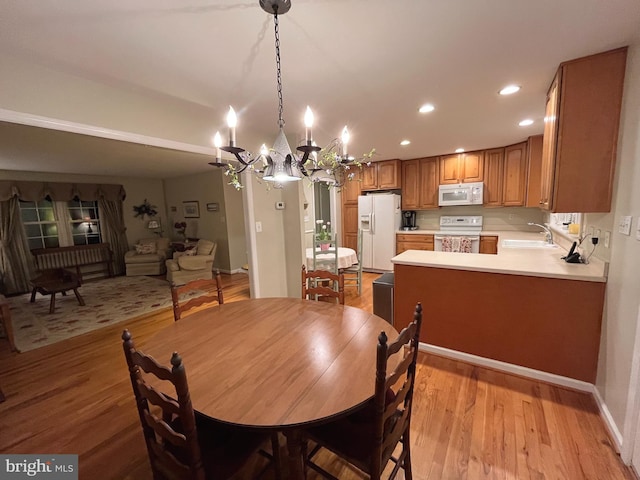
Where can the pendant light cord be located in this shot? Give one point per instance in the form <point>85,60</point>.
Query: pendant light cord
<point>278,68</point>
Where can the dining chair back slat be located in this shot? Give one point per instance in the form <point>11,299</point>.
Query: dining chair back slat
<point>322,285</point>
<point>185,297</point>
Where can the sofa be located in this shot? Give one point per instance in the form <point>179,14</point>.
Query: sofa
<point>192,264</point>
<point>147,257</point>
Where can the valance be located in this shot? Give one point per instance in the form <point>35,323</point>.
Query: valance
<point>59,191</point>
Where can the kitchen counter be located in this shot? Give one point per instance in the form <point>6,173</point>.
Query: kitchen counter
<point>536,262</point>
<point>523,306</point>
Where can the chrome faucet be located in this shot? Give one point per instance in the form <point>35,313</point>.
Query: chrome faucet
<point>548,235</point>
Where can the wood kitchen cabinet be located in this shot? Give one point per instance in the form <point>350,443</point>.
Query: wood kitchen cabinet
<point>582,118</point>
<point>413,241</point>
<point>350,192</point>
<point>385,175</point>
<point>534,154</point>
<point>462,168</point>
<point>514,187</point>
<point>489,244</point>
<point>505,176</point>
<point>420,183</point>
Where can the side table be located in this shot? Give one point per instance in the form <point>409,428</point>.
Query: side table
<point>55,281</point>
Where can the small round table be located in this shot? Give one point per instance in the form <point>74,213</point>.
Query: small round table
<point>346,257</point>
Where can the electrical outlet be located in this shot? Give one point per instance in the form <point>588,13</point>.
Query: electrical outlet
<point>596,233</point>
<point>624,225</point>
<point>607,239</point>
<point>638,229</point>
<point>592,230</point>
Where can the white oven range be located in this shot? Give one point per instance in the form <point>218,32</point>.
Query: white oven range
<point>458,234</point>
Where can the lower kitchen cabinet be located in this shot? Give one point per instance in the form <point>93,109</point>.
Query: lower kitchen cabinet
<point>414,241</point>
<point>489,244</point>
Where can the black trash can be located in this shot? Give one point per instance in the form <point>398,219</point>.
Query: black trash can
<point>383,297</point>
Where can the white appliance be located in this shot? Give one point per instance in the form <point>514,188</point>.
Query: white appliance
<point>460,194</point>
<point>379,217</point>
<point>458,234</point>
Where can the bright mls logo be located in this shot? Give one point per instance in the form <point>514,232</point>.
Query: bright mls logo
<point>50,467</point>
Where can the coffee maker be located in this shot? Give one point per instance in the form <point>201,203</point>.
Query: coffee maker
<point>409,220</point>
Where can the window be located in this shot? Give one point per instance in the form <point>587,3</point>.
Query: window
<point>44,229</point>
<point>39,224</point>
<point>85,227</point>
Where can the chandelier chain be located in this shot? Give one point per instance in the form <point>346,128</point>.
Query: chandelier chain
<point>278,69</point>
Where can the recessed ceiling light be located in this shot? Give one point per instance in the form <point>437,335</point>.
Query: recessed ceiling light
<point>459,150</point>
<point>405,142</point>
<point>426,108</point>
<point>526,122</point>
<point>509,89</point>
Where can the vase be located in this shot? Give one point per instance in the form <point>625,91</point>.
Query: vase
<point>324,246</point>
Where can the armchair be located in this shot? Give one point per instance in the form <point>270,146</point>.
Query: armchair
<point>147,257</point>
<point>193,264</point>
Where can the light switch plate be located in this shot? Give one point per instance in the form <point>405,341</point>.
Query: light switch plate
<point>638,229</point>
<point>258,227</point>
<point>624,225</point>
<point>607,239</point>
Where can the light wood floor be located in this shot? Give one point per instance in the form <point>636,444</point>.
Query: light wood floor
<point>468,422</point>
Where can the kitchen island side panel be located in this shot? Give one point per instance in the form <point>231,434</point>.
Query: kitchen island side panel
<point>547,324</point>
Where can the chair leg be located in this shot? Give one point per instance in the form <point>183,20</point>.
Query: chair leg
<point>277,457</point>
<point>406,464</point>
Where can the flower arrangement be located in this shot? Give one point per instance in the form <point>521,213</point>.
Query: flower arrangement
<point>323,231</point>
<point>145,209</point>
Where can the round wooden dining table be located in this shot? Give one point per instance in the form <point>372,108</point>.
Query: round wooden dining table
<point>276,363</point>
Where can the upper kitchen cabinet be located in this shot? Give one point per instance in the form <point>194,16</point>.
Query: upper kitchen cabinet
<point>581,133</point>
<point>383,175</point>
<point>534,154</point>
<point>462,168</point>
<point>505,176</point>
<point>420,183</point>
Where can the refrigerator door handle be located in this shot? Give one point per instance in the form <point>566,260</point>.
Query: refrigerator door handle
<point>372,222</point>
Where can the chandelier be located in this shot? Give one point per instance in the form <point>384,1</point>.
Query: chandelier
<point>331,164</point>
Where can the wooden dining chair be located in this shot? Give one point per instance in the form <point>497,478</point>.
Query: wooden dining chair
<point>322,285</point>
<point>353,274</point>
<point>185,297</point>
<point>181,444</point>
<point>368,438</point>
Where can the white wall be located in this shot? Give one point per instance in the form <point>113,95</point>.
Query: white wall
<point>212,225</point>
<point>622,298</point>
<point>29,88</point>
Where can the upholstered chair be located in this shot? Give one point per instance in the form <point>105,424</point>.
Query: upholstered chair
<point>147,257</point>
<point>193,264</point>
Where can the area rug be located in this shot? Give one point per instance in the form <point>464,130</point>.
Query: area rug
<point>108,301</point>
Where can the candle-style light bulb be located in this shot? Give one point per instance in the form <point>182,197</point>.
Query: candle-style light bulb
<point>232,121</point>
<point>217,142</point>
<point>264,150</point>
<point>345,140</point>
<point>308,123</point>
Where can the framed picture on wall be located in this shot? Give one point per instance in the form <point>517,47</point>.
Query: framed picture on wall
<point>191,209</point>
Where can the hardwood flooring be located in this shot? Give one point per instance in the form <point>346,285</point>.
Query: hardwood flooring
<point>468,422</point>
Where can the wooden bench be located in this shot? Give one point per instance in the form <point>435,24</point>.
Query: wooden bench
<point>77,257</point>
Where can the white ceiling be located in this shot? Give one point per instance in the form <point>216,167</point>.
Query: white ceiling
<point>368,64</point>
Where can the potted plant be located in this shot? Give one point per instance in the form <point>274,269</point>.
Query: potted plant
<point>323,235</point>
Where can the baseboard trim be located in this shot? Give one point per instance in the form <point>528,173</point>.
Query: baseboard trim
<point>614,432</point>
<point>508,368</point>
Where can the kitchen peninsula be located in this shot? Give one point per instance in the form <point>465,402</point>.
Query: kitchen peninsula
<point>523,306</point>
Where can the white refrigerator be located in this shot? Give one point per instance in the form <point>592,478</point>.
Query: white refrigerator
<point>379,217</point>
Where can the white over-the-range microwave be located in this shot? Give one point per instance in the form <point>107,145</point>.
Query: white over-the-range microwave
<point>460,194</point>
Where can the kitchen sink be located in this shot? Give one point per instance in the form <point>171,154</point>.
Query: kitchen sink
<point>513,243</point>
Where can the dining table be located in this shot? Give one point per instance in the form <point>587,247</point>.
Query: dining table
<point>346,257</point>
<point>276,364</point>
